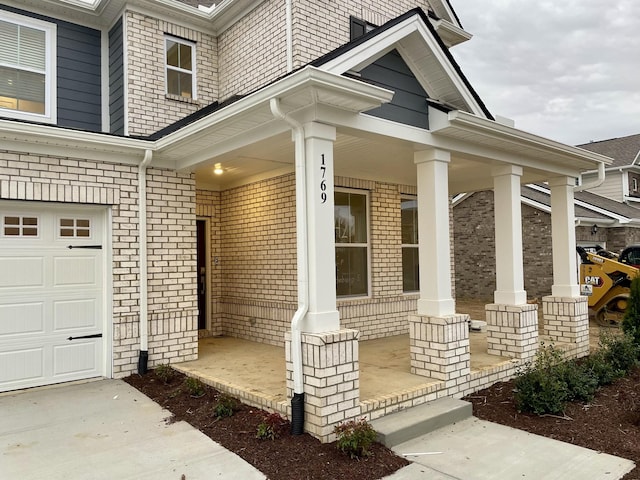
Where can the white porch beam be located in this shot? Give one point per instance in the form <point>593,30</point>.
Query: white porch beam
<point>322,315</point>
<point>563,239</point>
<point>508,227</point>
<point>434,245</point>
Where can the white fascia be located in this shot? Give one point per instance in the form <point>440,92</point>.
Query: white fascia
<point>450,34</point>
<point>518,139</point>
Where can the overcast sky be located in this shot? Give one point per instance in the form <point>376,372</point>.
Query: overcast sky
<point>568,70</point>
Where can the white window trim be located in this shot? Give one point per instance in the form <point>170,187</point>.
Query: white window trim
<point>50,99</point>
<point>193,70</point>
<point>367,245</point>
<point>408,245</point>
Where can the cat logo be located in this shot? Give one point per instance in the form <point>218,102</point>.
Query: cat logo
<point>593,280</point>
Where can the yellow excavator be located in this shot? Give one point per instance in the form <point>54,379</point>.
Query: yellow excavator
<point>607,284</point>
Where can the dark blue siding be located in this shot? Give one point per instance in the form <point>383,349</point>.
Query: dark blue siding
<point>116,79</point>
<point>409,104</point>
<point>79,92</point>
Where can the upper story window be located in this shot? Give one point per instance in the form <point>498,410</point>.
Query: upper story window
<point>27,68</point>
<point>180,67</point>
<point>410,265</point>
<point>358,27</point>
<point>352,243</point>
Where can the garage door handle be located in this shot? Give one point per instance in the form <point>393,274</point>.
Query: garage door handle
<point>93,247</point>
<point>95,335</point>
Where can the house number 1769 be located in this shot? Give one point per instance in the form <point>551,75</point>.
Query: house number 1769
<point>323,182</point>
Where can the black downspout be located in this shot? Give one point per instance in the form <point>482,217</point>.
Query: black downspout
<point>142,362</point>
<point>297,414</point>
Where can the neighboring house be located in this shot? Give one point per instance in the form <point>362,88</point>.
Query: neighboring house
<point>599,221</point>
<point>167,170</point>
<point>622,177</point>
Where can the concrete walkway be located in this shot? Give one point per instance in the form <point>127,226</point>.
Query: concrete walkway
<point>474,449</point>
<point>105,430</point>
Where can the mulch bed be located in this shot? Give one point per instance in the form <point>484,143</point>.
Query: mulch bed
<point>288,457</point>
<point>609,424</point>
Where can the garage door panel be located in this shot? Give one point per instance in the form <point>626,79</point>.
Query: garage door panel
<point>74,314</point>
<point>76,271</point>
<point>22,365</point>
<point>16,272</point>
<point>50,292</point>
<point>21,319</point>
<point>78,358</point>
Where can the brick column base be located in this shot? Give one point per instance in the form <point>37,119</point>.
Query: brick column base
<point>512,330</point>
<point>440,346</point>
<point>331,376</point>
<point>566,320</point>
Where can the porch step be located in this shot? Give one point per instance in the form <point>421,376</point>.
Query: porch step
<point>407,424</point>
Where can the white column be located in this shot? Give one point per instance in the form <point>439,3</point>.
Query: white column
<point>434,248</point>
<point>322,315</point>
<point>563,238</point>
<point>508,227</point>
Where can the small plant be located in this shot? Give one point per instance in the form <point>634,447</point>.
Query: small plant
<point>598,365</point>
<point>194,386</point>
<point>355,437</point>
<point>631,320</point>
<point>270,427</point>
<point>225,406</point>
<point>165,373</point>
<point>621,351</point>
<point>540,386</point>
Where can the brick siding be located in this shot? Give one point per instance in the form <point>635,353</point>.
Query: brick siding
<point>149,108</point>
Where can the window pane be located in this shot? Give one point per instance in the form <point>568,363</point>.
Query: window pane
<point>9,40</point>
<point>410,270</point>
<point>82,223</point>
<point>30,221</point>
<point>66,222</point>
<point>173,52</point>
<point>409,213</point>
<point>185,56</point>
<point>32,48</point>
<point>173,82</point>
<point>12,220</point>
<point>351,271</point>
<point>350,217</point>
<point>185,85</point>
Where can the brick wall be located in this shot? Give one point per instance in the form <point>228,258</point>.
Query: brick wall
<point>171,247</point>
<point>253,50</point>
<point>149,108</point>
<point>319,28</point>
<point>256,274</point>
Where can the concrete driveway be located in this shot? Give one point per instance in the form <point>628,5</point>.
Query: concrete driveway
<point>104,430</point>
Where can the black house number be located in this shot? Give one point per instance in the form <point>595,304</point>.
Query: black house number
<point>323,182</point>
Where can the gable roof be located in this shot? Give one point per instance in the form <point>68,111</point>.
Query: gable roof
<point>417,41</point>
<point>625,151</point>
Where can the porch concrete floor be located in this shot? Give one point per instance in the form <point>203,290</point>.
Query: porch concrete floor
<point>259,369</point>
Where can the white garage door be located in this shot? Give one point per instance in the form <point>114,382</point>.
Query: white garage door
<point>51,294</point>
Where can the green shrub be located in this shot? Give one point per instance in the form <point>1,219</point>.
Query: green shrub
<point>621,351</point>
<point>631,320</point>
<point>598,365</point>
<point>270,427</point>
<point>165,373</point>
<point>225,406</point>
<point>355,438</point>
<point>540,386</point>
<point>194,386</point>
<point>582,382</point>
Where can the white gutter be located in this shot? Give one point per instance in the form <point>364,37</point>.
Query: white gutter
<point>596,183</point>
<point>302,253</point>
<point>142,246</point>
<point>289,27</point>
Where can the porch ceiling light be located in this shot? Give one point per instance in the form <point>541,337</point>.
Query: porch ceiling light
<point>217,169</point>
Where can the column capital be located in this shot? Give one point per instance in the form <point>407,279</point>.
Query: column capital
<point>564,181</point>
<point>501,170</point>
<point>320,130</point>
<point>432,155</point>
